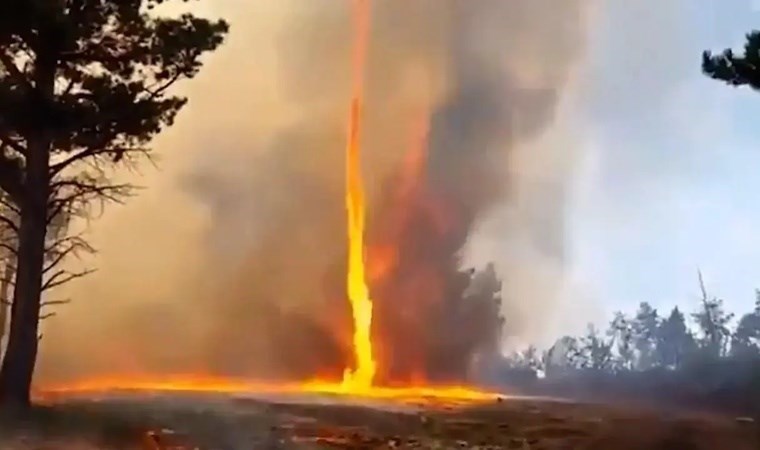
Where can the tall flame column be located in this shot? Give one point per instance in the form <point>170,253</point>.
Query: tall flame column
<point>363,373</point>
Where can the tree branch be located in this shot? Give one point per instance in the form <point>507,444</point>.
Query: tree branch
<point>55,303</point>
<point>92,187</point>
<point>73,197</point>
<point>9,205</point>
<point>59,258</point>
<point>11,176</point>
<point>10,281</point>
<point>63,277</point>
<point>7,62</point>
<point>62,248</point>
<point>6,140</point>
<point>100,146</point>
<point>702,286</point>
<point>9,223</point>
<point>9,248</point>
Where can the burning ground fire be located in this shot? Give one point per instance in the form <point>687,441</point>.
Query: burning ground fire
<point>359,379</point>
<point>202,384</point>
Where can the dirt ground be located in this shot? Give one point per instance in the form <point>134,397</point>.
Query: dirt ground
<point>185,423</point>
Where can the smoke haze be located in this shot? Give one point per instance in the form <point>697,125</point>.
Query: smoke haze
<point>227,263</point>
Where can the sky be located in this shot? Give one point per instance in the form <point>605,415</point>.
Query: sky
<point>669,182</point>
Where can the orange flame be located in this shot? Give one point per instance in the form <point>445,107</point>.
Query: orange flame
<point>362,375</point>
<point>359,380</point>
<point>179,383</point>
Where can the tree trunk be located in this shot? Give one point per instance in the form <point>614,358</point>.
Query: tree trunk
<point>5,283</point>
<point>21,353</point>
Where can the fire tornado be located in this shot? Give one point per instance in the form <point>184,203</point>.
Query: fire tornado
<point>417,338</point>
<point>361,376</point>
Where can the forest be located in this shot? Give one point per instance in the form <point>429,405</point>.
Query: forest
<point>708,357</point>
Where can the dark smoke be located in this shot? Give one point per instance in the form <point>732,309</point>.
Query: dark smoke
<point>484,112</point>
<point>486,105</point>
<point>266,290</point>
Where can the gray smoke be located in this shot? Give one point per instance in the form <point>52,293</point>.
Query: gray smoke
<point>262,165</point>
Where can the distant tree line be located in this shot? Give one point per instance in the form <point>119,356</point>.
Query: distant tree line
<point>711,360</point>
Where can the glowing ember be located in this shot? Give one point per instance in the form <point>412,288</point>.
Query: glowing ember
<point>361,377</point>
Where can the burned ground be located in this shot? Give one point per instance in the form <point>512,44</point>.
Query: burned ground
<point>214,423</point>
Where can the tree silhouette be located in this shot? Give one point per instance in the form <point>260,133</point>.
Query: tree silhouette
<point>532,359</point>
<point>745,341</point>
<point>674,341</point>
<point>735,70</point>
<point>8,261</point>
<point>5,302</point>
<point>718,369</point>
<point>58,245</point>
<point>645,325</point>
<point>712,321</point>
<point>596,350</point>
<point>8,244</point>
<point>564,356</point>
<point>84,88</point>
<point>621,332</point>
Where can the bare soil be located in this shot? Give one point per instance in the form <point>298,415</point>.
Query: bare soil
<point>205,423</point>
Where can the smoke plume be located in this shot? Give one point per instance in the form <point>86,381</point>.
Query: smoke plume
<point>231,262</point>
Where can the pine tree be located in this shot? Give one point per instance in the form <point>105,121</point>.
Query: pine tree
<point>564,356</point>
<point>712,321</point>
<point>597,351</point>
<point>84,87</point>
<point>674,341</point>
<point>645,325</point>
<point>745,341</point>
<point>622,333</point>
<point>736,70</point>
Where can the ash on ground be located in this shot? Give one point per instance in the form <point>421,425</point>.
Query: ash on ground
<point>206,422</point>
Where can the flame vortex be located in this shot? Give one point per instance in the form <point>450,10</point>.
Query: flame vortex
<point>358,380</point>
<point>363,373</point>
